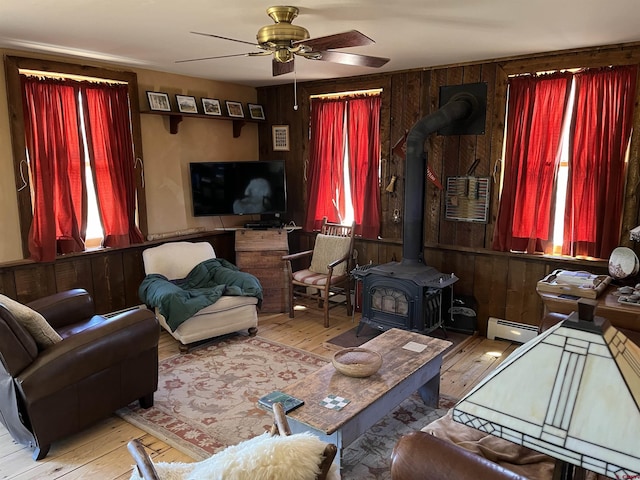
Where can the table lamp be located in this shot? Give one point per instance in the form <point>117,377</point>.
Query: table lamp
<point>573,393</point>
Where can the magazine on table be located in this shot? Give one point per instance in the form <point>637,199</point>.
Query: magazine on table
<point>288,402</point>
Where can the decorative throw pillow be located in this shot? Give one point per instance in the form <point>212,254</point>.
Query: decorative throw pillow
<point>43,334</point>
<point>328,249</point>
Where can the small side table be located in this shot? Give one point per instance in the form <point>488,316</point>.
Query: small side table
<point>620,315</point>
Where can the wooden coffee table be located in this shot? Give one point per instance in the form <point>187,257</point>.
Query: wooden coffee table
<point>402,373</point>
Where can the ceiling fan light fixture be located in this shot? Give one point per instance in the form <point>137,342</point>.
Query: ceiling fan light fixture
<point>283,55</point>
<point>310,55</point>
<point>284,41</point>
<point>282,13</point>
<point>281,32</point>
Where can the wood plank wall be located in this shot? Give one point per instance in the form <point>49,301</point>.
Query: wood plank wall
<point>112,276</point>
<point>502,283</point>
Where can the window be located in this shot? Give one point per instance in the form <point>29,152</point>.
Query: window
<point>566,147</point>
<point>94,231</point>
<point>344,162</point>
<point>76,140</point>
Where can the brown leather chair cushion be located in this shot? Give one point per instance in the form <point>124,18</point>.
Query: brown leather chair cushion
<point>420,455</point>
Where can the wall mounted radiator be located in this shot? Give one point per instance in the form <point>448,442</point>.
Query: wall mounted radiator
<point>506,330</point>
<point>118,312</point>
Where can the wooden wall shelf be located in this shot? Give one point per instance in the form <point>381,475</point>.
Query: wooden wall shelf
<point>176,117</point>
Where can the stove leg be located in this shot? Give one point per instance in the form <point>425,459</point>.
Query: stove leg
<point>444,330</point>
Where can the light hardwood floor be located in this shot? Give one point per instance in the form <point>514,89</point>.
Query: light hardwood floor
<point>100,452</point>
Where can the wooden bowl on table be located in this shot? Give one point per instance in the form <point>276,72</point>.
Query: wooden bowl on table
<point>357,362</point>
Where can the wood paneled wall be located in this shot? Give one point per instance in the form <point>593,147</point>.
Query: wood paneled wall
<point>502,283</point>
<point>111,276</point>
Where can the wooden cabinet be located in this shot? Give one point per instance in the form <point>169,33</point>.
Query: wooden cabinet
<point>260,252</point>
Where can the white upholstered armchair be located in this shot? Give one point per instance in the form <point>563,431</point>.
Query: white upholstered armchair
<point>228,314</point>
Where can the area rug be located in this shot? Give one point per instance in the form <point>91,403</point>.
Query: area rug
<point>207,399</point>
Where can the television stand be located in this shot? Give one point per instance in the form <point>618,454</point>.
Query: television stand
<point>263,224</point>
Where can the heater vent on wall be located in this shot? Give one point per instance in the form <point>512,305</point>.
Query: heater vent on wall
<point>467,199</point>
<point>500,329</point>
<point>118,312</point>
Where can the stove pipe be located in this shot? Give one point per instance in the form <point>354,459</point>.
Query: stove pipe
<point>459,107</point>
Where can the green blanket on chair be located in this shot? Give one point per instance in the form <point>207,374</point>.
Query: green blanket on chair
<point>180,299</point>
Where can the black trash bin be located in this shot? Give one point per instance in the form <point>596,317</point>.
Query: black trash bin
<point>462,315</point>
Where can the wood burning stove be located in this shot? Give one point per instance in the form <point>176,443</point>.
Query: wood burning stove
<point>409,294</point>
<point>395,296</point>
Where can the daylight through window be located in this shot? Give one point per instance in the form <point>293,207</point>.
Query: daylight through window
<point>80,155</point>
<point>566,148</point>
<point>344,161</point>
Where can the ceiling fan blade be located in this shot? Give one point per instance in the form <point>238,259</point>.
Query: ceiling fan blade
<point>249,54</point>
<point>350,59</point>
<point>352,38</point>
<point>226,38</point>
<point>280,68</point>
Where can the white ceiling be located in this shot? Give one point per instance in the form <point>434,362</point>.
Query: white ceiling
<point>153,34</point>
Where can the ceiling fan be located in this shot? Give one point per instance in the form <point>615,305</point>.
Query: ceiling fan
<point>284,41</point>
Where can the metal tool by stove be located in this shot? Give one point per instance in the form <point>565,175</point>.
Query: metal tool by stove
<point>476,193</point>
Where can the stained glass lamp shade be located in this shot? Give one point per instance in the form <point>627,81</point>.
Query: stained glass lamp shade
<point>573,393</point>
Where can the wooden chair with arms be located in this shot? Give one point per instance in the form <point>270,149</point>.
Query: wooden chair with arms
<point>147,471</point>
<point>331,262</point>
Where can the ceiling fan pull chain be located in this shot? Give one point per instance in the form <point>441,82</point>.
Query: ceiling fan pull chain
<point>295,89</point>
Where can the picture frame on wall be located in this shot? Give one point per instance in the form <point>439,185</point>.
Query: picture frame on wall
<point>234,109</point>
<point>280,138</point>
<point>186,104</point>
<point>211,106</point>
<point>158,101</point>
<point>256,112</point>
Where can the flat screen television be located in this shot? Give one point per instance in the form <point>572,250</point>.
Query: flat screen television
<point>238,188</point>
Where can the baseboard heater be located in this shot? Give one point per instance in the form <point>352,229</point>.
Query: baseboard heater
<point>113,314</point>
<point>505,330</point>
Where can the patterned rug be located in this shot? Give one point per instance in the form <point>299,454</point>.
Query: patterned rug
<point>207,399</point>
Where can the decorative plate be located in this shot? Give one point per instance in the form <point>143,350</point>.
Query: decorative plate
<point>623,263</point>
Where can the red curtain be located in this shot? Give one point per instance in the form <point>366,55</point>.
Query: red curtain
<point>326,174</point>
<point>53,136</point>
<point>56,165</point>
<point>110,146</point>
<point>363,126</point>
<point>534,125</point>
<point>600,135</point>
<point>326,194</point>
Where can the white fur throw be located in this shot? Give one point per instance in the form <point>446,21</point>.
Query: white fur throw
<point>266,457</point>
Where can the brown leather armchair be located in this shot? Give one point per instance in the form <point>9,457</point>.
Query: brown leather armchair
<point>422,456</point>
<point>101,364</point>
<point>432,455</point>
